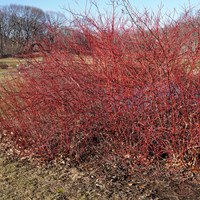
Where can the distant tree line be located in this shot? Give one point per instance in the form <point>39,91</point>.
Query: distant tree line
<point>25,29</point>
<point>21,26</point>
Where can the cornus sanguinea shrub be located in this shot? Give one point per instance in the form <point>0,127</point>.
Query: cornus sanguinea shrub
<point>117,88</point>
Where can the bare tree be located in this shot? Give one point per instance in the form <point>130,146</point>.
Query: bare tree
<point>19,26</point>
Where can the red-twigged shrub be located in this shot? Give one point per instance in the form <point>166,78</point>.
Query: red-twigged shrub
<point>128,91</point>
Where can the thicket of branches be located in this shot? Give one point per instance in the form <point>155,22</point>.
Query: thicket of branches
<point>131,93</point>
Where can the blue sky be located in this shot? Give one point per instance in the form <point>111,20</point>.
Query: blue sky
<point>58,5</point>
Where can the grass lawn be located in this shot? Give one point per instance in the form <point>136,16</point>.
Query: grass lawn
<point>11,62</point>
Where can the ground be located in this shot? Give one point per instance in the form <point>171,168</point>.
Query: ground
<point>24,179</point>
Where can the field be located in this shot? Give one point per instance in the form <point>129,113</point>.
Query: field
<point>11,63</point>
<point>14,62</point>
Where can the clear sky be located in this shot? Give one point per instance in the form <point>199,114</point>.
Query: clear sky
<point>58,5</point>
